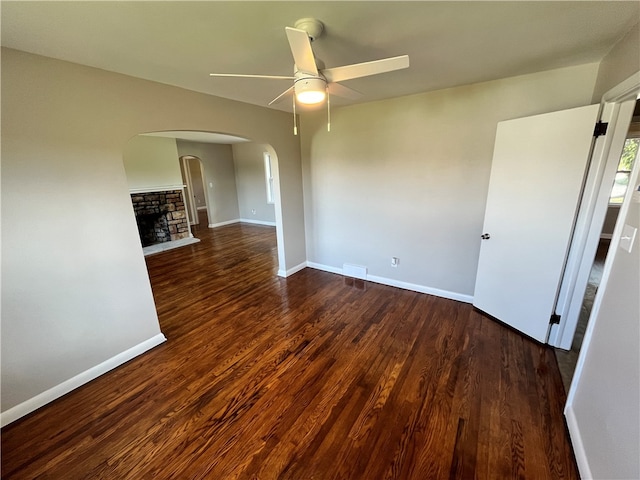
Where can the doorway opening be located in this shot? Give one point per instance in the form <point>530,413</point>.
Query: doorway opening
<point>221,178</point>
<point>192,172</point>
<point>567,359</point>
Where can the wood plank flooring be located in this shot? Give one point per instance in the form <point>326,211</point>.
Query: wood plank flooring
<point>310,377</point>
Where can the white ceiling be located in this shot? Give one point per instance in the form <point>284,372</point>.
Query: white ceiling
<point>449,43</point>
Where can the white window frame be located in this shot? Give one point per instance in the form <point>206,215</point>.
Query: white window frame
<point>631,136</point>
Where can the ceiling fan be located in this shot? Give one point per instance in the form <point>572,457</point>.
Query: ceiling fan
<point>311,82</point>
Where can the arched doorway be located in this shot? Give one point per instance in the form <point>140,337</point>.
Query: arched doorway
<point>223,177</point>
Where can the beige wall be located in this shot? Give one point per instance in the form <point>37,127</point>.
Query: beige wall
<point>151,162</point>
<point>408,177</point>
<point>75,290</point>
<point>219,177</point>
<point>251,182</point>
<point>620,63</point>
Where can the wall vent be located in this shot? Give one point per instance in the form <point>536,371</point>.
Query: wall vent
<point>355,271</point>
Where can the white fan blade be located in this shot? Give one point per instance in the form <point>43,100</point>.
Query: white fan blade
<point>282,95</point>
<point>301,49</point>
<point>344,92</point>
<point>365,69</point>
<point>241,75</point>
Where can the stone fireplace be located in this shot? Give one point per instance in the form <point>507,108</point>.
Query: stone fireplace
<point>161,216</point>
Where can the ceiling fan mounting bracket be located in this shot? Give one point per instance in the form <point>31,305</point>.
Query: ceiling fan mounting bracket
<point>313,27</point>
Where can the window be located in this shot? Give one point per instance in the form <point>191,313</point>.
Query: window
<point>269,178</point>
<point>629,153</point>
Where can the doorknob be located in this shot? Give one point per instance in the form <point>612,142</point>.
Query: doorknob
<point>485,236</point>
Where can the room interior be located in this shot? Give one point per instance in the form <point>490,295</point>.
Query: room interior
<point>214,175</point>
<point>403,172</point>
<point>302,360</point>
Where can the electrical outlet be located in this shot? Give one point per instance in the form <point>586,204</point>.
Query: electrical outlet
<point>253,211</point>
<point>395,261</point>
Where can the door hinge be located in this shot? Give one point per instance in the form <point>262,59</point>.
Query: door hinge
<point>555,319</point>
<point>600,129</point>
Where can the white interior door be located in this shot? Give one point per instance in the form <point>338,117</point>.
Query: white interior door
<point>537,174</point>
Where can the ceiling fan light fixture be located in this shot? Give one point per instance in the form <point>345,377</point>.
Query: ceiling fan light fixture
<point>310,91</point>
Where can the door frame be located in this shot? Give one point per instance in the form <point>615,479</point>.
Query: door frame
<point>617,107</point>
<point>191,207</point>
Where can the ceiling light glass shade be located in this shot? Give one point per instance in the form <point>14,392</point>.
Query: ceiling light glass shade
<point>310,97</point>
<point>310,90</point>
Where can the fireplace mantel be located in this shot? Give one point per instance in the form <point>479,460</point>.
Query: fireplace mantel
<point>157,188</point>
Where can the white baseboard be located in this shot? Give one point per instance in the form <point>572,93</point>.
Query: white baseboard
<point>397,283</point>
<point>222,224</point>
<point>291,271</point>
<point>258,222</point>
<point>460,297</point>
<point>576,442</point>
<point>324,268</point>
<point>24,408</point>
<point>242,220</point>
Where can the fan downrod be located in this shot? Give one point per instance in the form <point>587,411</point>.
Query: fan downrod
<point>312,26</point>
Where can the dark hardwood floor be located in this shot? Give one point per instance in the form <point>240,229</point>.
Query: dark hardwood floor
<point>310,377</point>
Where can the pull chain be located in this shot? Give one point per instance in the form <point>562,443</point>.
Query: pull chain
<point>328,110</point>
